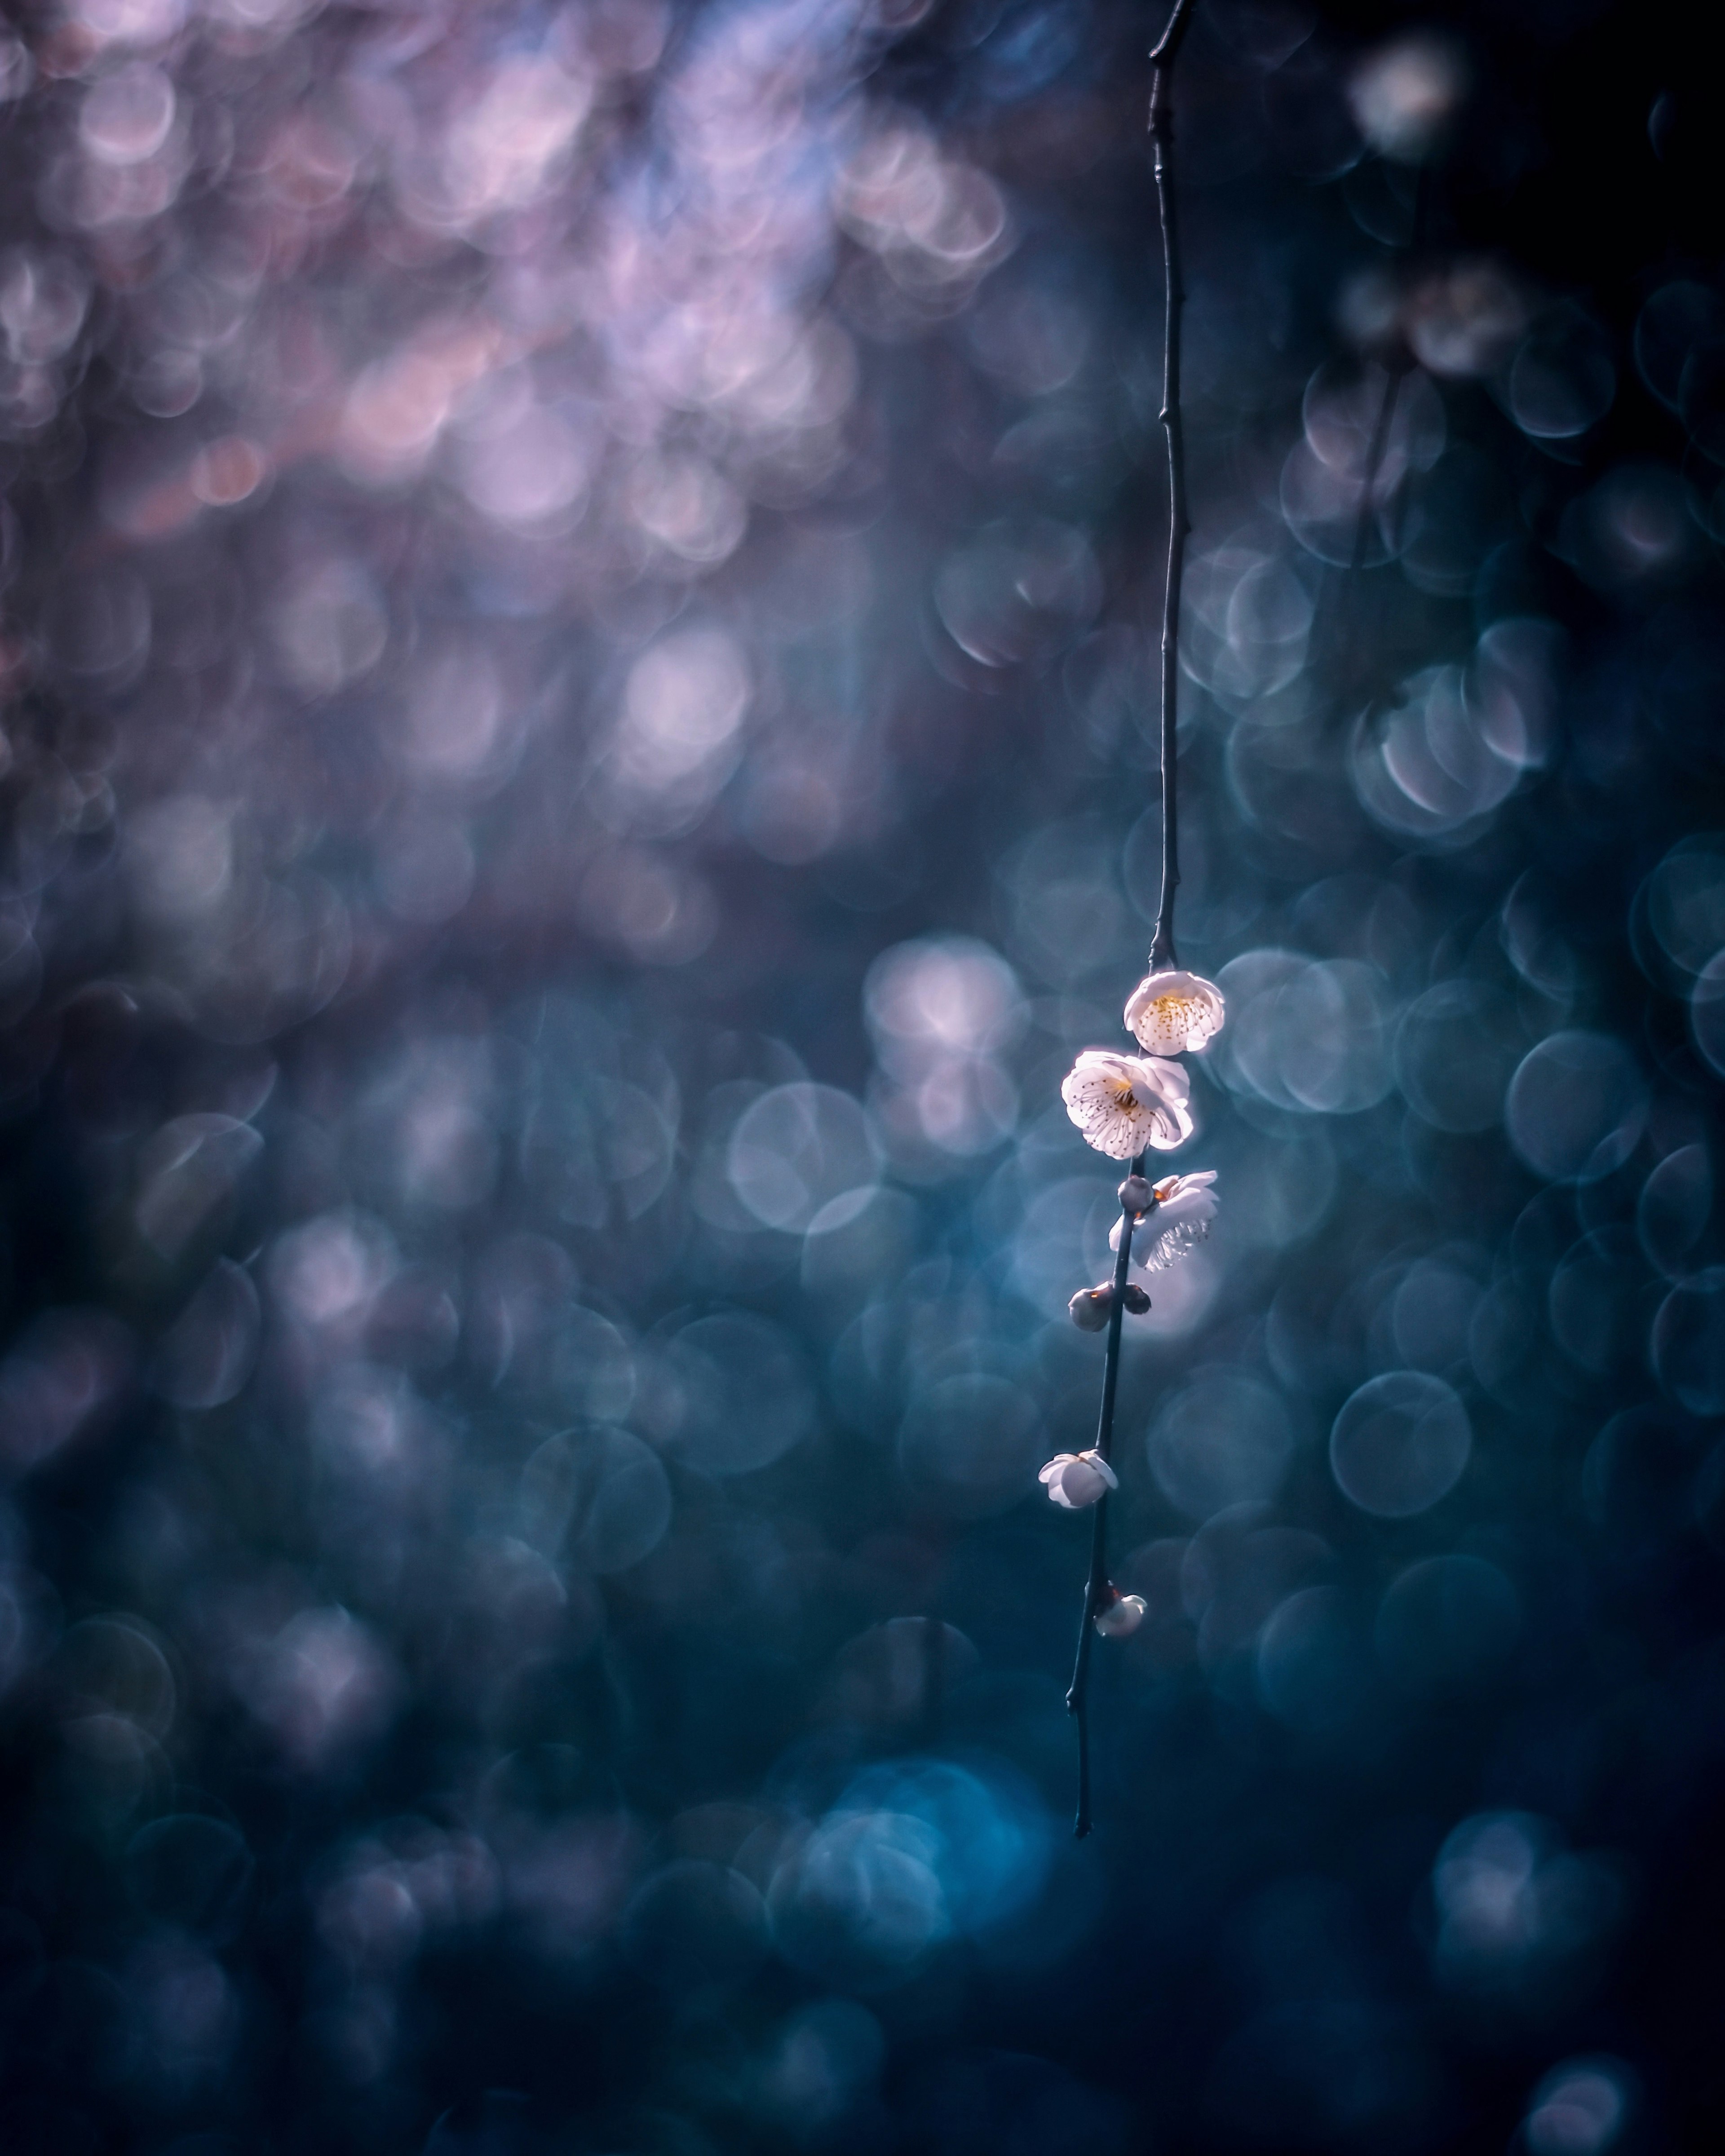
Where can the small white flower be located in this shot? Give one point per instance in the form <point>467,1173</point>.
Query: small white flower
<point>1123,1103</point>
<point>1077,1479</point>
<point>1122,1616</point>
<point>1169,1012</point>
<point>1178,1221</point>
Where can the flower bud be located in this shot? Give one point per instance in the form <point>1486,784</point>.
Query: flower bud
<point>1122,1616</point>
<point>1074,1480</point>
<point>1090,1307</point>
<point>1135,1298</point>
<point>1135,1195</point>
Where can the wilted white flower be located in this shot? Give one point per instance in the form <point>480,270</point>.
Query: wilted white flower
<point>1123,1103</point>
<point>1176,1223</point>
<point>1169,1012</point>
<point>1123,1614</point>
<point>1077,1479</point>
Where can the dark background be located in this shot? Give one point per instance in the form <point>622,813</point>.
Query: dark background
<point>579,595</point>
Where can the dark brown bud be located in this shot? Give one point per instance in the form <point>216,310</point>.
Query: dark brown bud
<point>1089,1308</point>
<point>1135,1299</point>
<point>1135,1195</point>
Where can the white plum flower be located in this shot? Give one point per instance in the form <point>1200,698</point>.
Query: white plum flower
<point>1170,1012</point>
<point>1122,1616</point>
<point>1178,1221</point>
<point>1123,1103</point>
<point>1077,1479</point>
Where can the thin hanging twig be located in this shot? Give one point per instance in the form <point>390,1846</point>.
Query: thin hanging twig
<point>1162,57</point>
<point>1078,1698</point>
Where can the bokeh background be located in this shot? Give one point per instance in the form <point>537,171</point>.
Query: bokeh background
<point>579,587</point>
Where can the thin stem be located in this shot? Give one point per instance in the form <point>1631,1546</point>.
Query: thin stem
<point>1078,1697</point>
<point>1161,126</point>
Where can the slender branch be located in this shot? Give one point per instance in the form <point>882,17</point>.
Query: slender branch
<point>1162,57</point>
<point>1078,1697</point>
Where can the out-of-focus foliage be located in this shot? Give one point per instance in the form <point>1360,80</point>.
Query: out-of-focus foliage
<point>578,599</point>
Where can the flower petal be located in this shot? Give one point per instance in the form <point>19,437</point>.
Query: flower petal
<point>1171,1011</point>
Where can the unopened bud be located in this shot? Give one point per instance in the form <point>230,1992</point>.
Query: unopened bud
<point>1135,1298</point>
<point>1135,1195</point>
<point>1090,1307</point>
<point>1123,1614</point>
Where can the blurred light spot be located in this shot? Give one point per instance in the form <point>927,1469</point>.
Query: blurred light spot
<point>60,1375</point>
<point>1447,1622</point>
<point>939,1009</point>
<point>129,21</point>
<point>1681,904</point>
<point>600,1492</point>
<point>1706,1012</point>
<point>98,624</point>
<point>1681,321</point>
<point>1674,1206</point>
<point>1245,622</point>
<point>933,220</point>
<point>189,1176</point>
<point>1307,1035</point>
<point>796,1149</point>
<point>323,1687</point>
<point>727,1394</point>
<point>1431,1314</point>
<point>684,505</point>
<point>454,719</point>
<point>1455,1052</point>
<point>1561,380</point>
<point>1029,335</point>
<point>826,2058</point>
<point>1453,743</point>
<point>43,300</point>
<point>183,853</point>
<point>531,474</point>
<point>895,1675</point>
<point>109,1665</point>
<point>329,629</point>
<point>325,1273</point>
<point>695,1927</point>
<point>970,1446</point>
<point>1465,319</point>
<point>1576,1107</point>
<point>1581,2109</point>
<point>425,871</point>
<point>505,145</point>
<point>1689,1343</point>
<point>1399,1444</point>
<point>1311,1671</point>
<point>1221,1439</point>
<point>1513,1907</point>
<point>911,1853</point>
<point>1405,93</point>
<point>676,741</point>
<point>1633,528</point>
<point>1018,591</point>
<point>126,115</point>
<point>1236,1570</point>
<point>208,1354</point>
<point>660,913</point>
<point>228,471</point>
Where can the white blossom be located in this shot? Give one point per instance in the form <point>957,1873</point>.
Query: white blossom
<point>1123,1103</point>
<point>1123,1614</point>
<point>1178,1221</point>
<point>1075,1480</point>
<point>1169,1012</point>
